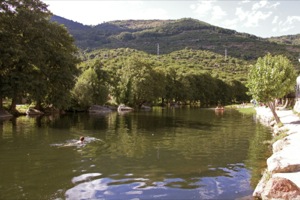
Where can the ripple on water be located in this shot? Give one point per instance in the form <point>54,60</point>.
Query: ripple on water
<point>85,177</point>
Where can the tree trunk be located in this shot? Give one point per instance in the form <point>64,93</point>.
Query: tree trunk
<point>272,107</point>
<point>38,105</point>
<point>13,105</point>
<point>1,101</point>
<point>286,102</point>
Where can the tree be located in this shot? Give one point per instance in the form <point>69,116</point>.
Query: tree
<point>91,87</point>
<point>17,31</point>
<point>37,57</point>
<point>239,92</point>
<point>139,82</point>
<point>272,77</point>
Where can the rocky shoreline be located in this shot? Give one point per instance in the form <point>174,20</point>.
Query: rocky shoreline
<point>281,179</point>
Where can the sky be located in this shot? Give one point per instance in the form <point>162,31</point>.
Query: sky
<point>263,18</point>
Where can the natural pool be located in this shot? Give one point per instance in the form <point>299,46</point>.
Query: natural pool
<point>184,153</point>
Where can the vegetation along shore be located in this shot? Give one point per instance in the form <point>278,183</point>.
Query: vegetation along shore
<point>281,179</point>
<point>56,65</point>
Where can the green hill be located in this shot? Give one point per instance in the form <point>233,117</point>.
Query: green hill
<point>287,39</point>
<point>186,59</point>
<point>174,35</point>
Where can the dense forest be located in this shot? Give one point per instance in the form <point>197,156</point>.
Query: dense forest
<point>187,76</point>
<point>51,62</point>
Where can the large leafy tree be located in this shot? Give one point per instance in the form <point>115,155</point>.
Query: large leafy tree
<point>139,82</point>
<point>92,86</point>
<point>272,77</point>
<point>37,57</point>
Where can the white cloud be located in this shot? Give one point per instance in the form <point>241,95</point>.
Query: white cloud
<point>274,30</point>
<point>254,18</point>
<point>241,14</point>
<point>96,12</point>
<point>153,13</point>
<point>292,19</point>
<point>244,2</point>
<point>208,10</point>
<point>231,24</point>
<point>286,29</point>
<point>275,19</point>
<point>290,23</point>
<point>202,8</point>
<point>275,5</point>
<point>259,5</point>
<point>218,13</point>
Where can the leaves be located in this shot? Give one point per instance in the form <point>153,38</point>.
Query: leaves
<point>41,54</point>
<point>272,77</point>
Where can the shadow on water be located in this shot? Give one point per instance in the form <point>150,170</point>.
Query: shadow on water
<point>160,154</point>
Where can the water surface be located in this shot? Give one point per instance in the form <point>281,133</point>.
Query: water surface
<point>185,153</point>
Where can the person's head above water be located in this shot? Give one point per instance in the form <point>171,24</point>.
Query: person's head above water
<point>81,138</point>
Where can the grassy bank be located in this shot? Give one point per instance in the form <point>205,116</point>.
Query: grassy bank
<point>244,109</point>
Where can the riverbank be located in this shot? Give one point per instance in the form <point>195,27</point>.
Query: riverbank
<point>281,179</point>
<point>4,114</point>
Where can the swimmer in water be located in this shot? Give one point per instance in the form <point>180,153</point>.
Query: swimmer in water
<point>80,141</point>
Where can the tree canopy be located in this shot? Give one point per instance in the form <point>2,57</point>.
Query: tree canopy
<point>270,78</point>
<point>37,57</point>
<point>186,76</point>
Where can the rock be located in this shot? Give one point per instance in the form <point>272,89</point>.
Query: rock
<point>294,177</point>
<point>281,188</point>
<point>144,107</point>
<point>123,108</point>
<point>99,109</point>
<point>279,145</point>
<point>285,160</point>
<point>32,111</point>
<point>261,185</point>
<point>4,114</point>
<point>290,140</point>
<point>85,177</point>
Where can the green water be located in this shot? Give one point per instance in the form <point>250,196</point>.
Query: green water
<point>188,153</point>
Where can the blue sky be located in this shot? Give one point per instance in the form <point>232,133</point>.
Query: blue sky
<point>263,18</point>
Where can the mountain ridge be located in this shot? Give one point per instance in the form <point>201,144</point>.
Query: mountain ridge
<point>173,35</point>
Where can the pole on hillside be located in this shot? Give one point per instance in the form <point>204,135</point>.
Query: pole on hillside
<point>157,49</point>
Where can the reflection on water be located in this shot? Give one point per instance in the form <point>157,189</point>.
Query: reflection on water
<point>230,182</point>
<point>186,153</point>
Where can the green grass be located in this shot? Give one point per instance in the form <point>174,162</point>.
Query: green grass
<point>247,109</point>
<point>22,108</point>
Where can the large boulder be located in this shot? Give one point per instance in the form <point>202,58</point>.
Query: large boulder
<point>294,177</point>
<point>290,140</point>
<point>123,108</point>
<point>33,111</point>
<point>96,109</point>
<point>285,160</point>
<point>281,188</point>
<point>259,189</point>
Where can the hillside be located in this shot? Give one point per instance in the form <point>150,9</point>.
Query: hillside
<point>287,39</point>
<point>186,59</point>
<point>174,35</point>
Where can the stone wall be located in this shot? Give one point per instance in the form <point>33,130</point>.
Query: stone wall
<point>281,179</point>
